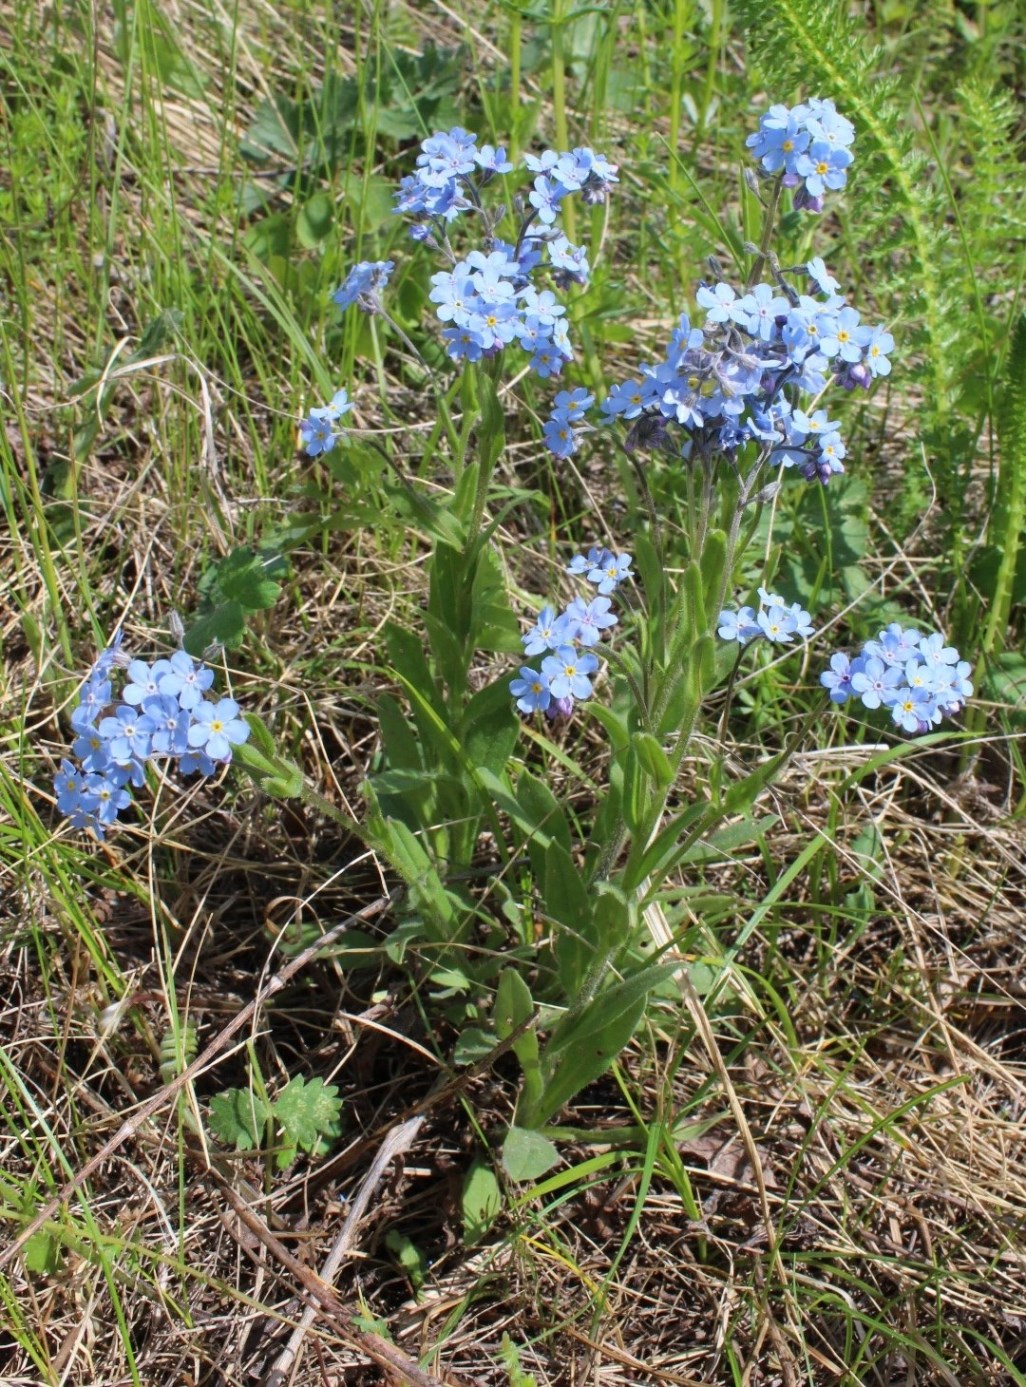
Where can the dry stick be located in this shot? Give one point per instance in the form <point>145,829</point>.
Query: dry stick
<point>377,1349</point>
<point>169,1091</point>
<point>399,1140</point>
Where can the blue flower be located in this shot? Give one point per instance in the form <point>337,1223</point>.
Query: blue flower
<point>846,338</point>
<point>545,198</point>
<point>463,343</point>
<point>92,751</point>
<point>585,621</point>
<point>170,726</point>
<point>339,405</point>
<point>575,402</point>
<point>838,678</point>
<point>68,785</point>
<point>531,691</point>
<point>580,564</point>
<point>914,709</point>
<point>876,683</point>
<point>559,435</point>
<point>738,626</point>
<point>547,361</point>
<point>216,728</point>
<point>569,262</point>
<point>876,348</point>
<point>490,159</point>
<point>94,696</point>
<point>610,572</point>
<point>317,434</point>
<point>775,621</point>
<point>128,733</point>
<point>823,280</point>
<point>106,797</point>
<point>454,292</point>
<point>720,301</point>
<point>193,761</point>
<point>144,680</point>
<point>823,167</point>
<point>780,139</point>
<point>629,399</point>
<point>567,672</point>
<point>759,309</point>
<point>920,679</point>
<point>186,680</point>
<point>548,633</point>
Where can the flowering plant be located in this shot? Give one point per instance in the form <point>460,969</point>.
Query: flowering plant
<point>735,403</point>
<point>131,713</point>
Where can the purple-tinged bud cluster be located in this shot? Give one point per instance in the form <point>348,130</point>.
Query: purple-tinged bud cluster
<point>487,299</point>
<point>160,713</point>
<point>918,678</point>
<point>807,147</point>
<point>740,379</point>
<point>317,431</point>
<point>775,621</point>
<point>569,638</point>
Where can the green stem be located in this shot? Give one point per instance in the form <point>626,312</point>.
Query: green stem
<point>768,220</point>
<point>556,24</point>
<point>515,39</point>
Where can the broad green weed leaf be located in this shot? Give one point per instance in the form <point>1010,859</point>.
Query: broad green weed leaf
<point>482,1201</point>
<point>583,1046</point>
<point>490,727</point>
<point>527,1155</point>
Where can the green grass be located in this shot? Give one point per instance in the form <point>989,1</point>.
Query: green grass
<point>807,1167</point>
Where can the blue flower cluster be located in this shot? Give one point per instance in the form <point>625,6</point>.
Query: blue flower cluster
<point>775,621</point>
<point>739,380</point>
<point>569,638</point>
<point>807,147</point>
<point>161,712</point>
<point>318,431</point>
<point>569,408</point>
<point>919,678</point>
<point>487,300</point>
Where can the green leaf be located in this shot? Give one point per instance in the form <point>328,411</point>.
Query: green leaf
<point>316,220</point>
<point>238,1117</point>
<point>224,625</point>
<point>409,1257</point>
<point>713,563</point>
<point>653,758</point>
<point>308,1110</point>
<point>493,624</point>
<point>527,1155</point>
<point>42,1254</point>
<point>566,903</point>
<point>541,810</point>
<point>482,1201</point>
<point>277,777</point>
<point>585,1044</point>
<point>247,576</point>
<point>490,727</point>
